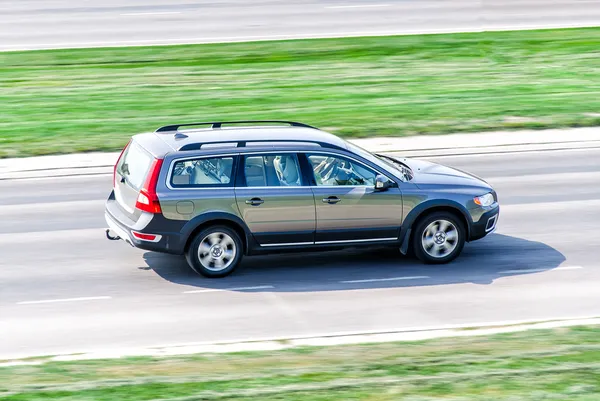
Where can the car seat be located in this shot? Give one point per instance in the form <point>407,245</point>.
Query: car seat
<point>287,170</point>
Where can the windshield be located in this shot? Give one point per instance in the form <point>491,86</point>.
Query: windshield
<point>397,168</point>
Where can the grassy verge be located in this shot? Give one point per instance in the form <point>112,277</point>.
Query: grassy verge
<point>556,364</point>
<point>93,99</point>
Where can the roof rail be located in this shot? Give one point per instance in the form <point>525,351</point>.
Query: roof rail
<point>218,124</point>
<point>244,143</point>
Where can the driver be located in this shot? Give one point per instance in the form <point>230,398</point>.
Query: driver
<point>332,172</point>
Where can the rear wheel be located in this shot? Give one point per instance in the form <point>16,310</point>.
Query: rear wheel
<point>439,238</point>
<point>215,252</point>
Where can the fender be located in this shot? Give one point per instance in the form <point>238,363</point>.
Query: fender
<point>423,207</point>
<point>203,218</point>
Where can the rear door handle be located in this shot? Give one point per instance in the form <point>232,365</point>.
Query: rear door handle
<point>331,200</point>
<point>255,201</point>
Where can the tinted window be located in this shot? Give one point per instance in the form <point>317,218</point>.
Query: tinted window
<point>134,165</point>
<point>335,170</point>
<point>205,172</point>
<point>272,171</point>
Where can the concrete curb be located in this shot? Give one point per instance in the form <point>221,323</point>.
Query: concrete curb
<point>415,146</point>
<point>276,344</point>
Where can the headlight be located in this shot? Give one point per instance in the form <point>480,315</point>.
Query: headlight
<point>484,200</point>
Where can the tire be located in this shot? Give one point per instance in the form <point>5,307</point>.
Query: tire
<point>207,254</point>
<point>439,238</point>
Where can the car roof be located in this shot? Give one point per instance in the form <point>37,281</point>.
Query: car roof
<point>194,139</point>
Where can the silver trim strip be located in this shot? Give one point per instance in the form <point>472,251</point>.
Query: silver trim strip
<point>340,186</point>
<point>246,152</point>
<point>357,240</point>
<point>332,242</point>
<point>272,187</point>
<point>288,244</point>
<point>495,219</point>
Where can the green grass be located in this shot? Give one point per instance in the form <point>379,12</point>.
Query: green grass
<point>62,101</point>
<point>560,364</point>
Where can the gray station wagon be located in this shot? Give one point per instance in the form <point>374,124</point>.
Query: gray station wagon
<point>230,189</point>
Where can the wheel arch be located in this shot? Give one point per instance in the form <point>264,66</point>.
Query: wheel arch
<point>199,223</point>
<point>425,209</point>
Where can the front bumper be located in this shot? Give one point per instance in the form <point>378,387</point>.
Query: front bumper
<point>486,224</point>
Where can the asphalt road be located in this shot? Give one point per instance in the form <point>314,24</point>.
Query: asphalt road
<point>65,288</point>
<point>41,24</point>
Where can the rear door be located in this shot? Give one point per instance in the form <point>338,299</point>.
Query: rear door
<point>347,205</point>
<point>131,172</point>
<point>276,204</point>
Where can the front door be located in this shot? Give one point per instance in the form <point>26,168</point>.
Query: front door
<point>275,203</point>
<point>347,205</point>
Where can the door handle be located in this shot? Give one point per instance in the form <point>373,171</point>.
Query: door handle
<point>255,201</point>
<point>331,200</point>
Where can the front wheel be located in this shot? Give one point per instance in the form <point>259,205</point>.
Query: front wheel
<point>439,238</point>
<point>215,252</point>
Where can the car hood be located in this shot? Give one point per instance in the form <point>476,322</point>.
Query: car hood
<point>428,173</point>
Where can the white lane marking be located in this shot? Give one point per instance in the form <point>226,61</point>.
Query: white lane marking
<point>432,155</point>
<point>374,280</point>
<point>12,178</point>
<point>584,176</point>
<point>546,207</point>
<point>259,287</point>
<point>25,238</point>
<point>360,6</point>
<point>155,13</point>
<point>539,270</point>
<point>39,208</point>
<point>50,301</point>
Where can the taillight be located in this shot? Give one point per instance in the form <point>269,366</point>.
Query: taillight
<point>145,237</point>
<point>117,164</point>
<point>147,200</point>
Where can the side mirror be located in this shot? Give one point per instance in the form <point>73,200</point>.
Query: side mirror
<point>382,183</point>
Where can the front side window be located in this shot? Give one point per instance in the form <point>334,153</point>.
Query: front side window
<point>205,172</point>
<point>336,170</point>
<point>272,170</point>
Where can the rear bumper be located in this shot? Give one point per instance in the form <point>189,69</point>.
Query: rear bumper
<point>165,242</point>
<point>116,231</point>
<point>486,224</point>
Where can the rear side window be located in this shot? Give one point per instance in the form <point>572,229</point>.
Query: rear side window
<point>134,165</point>
<point>204,172</point>
<point>276,170</point>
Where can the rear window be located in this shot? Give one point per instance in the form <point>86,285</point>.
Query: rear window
<point>134,165</point>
